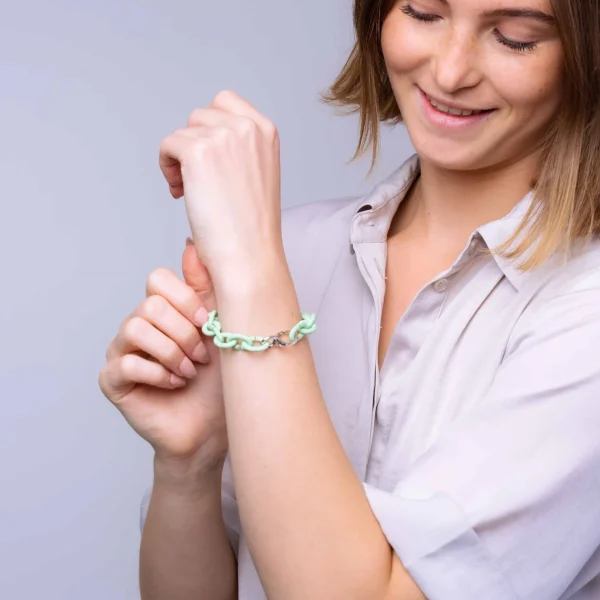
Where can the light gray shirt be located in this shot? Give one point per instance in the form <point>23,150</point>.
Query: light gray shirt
<point>478,439</point>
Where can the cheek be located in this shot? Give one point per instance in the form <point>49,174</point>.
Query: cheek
<point>403,48</point>
<point>533,91</point>
<point>534,100</point>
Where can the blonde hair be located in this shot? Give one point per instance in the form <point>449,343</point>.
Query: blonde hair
<point>566,196</point>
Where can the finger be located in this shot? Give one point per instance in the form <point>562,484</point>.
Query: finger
<point>195,274</point>
<point>173,149</point>
<point>171,152</point>
<point>140,335</point>
<point>233,103</point>
<point>158,311</point>
<point>203,118</point>
<point>250,124</point>
<point>121,375</point>
<point>171,306</point>
<point>208,117</point>
<point>166,283</point>
<point>171,168</point>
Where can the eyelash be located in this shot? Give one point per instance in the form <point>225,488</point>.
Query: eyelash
<point>408,10</point>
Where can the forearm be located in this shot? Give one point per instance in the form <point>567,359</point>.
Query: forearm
<point>304,512</point>
<point>185,552</point>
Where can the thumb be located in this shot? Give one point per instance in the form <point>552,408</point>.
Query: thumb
<point>196,276</point>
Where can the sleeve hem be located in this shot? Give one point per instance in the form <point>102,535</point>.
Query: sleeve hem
<point>437,546</point>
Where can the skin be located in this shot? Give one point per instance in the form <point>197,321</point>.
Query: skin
<point>458,58</point>
<point>476,175</point>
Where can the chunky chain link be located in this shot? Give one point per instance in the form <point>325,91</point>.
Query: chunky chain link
<point>237,341</point>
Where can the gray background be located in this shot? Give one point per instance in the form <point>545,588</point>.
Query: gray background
<point>88,91</point>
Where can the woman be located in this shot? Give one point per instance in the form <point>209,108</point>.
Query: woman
<point>439,437</point>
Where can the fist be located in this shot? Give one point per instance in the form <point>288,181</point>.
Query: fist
<point>226,165</point>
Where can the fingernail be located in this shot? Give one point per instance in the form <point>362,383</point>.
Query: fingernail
<point>201,317</point>
<point>177,381</point>
<point>200,353</point>
<point>189,241</point>
<point>187,368</point>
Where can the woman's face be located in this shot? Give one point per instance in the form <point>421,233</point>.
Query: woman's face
<point>503,57</point>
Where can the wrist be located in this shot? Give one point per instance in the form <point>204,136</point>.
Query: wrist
<point>243,275</point>
<point>259,306</point>
<point>190,477</point>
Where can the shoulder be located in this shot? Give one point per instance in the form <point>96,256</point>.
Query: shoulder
<point>565,299</point>
<point>577,276</point>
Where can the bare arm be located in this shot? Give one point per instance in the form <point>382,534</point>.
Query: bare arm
<point>185,552</point>
<point>305,514</point>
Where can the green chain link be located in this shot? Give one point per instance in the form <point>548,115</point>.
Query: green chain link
<point>212,328</point>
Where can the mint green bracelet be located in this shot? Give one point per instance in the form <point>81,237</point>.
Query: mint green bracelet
<point>212,328</point>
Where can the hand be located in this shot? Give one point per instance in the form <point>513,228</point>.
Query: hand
<point>178,412</point>
<point>226,163</point>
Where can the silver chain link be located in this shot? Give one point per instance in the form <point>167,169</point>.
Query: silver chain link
<point>275,340</point>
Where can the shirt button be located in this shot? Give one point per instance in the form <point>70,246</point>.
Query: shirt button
<point>441,285</point>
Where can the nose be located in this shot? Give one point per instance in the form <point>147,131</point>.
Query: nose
<point>455,64</point>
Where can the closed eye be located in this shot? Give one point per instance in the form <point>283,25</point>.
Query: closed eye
<point>408,10</point>
<point>513,44</point>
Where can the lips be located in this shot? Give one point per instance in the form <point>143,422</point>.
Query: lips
<point>449,118</point>
<point>457,112</point>
<point>454,111</point>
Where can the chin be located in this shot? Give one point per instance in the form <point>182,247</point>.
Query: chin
<point>452,155</point>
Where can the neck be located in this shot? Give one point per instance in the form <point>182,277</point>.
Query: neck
<point>444,207</point>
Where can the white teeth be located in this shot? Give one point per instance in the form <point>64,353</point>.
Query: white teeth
<point>453,111</point>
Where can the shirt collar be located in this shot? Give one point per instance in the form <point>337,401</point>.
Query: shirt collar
<point>373,214</point>
<point>497,232</point>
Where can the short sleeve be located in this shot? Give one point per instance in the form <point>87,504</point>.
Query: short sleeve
<point>506,504</point>
<point>228,502</point>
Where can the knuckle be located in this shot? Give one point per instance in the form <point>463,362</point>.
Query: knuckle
<point>272,135</point>
<point>157,279</point>
<point>270,129</point>
<point>224,95</point>
<point>247,126</point>
<point>191,339</point>
<point>195,116</point>
<point>134,328</point>
<point>190,299</point>
<point>128,365</point>
<point>224,134</point>
<point>154,307</point>
<point>164,143</point>
<point>173,355</point>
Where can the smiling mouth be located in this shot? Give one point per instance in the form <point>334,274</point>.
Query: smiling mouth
<point>457,112</point>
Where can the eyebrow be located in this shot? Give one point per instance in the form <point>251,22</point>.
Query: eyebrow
<point>523,13</point>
